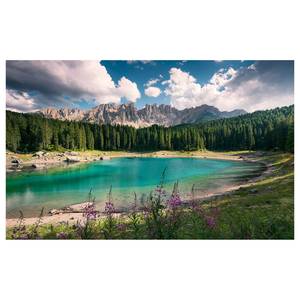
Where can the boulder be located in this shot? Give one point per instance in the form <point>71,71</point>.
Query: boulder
<point>16,161</point>
<point>54,212</point>
<point>71,153</point>
<point>37,166</point>
<point>72,159</point>
<point>104,158</point>
<point>39,154</point>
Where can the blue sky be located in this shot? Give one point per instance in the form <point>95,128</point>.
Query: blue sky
<point>251,85</point>
<point>141,72</point>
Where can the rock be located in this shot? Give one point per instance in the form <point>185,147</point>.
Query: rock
<point>71,153</point>
<point>79,206</point>
<point>128,114</point>
<point>39,154</point>
<point>104,158</point>
<point>37,166</point>
<point>54,212</point>
<point>16,161</point>
<point>72,159</point>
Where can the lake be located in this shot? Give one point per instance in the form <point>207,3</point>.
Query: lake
<point>29,191</point>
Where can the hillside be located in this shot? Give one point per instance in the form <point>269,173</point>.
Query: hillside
<point>263,130</point>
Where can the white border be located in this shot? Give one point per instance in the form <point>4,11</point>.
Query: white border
<point>147,30</point>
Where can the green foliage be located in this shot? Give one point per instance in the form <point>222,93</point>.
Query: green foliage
<point>265,130</point>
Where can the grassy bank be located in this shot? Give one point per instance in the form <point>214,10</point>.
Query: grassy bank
<point>262,210</point>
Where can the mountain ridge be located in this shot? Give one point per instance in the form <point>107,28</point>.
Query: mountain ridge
<point>128,114</point>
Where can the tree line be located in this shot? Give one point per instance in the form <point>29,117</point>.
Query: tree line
<point>265,130</point>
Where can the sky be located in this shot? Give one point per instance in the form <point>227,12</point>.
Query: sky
<point>251,85</point>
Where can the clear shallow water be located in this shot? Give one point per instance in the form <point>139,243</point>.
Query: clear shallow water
<point>61,186</point>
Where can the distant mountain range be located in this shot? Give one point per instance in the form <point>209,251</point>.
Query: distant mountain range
<point>128,114</point>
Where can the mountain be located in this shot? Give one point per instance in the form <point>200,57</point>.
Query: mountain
<point>128,114</point>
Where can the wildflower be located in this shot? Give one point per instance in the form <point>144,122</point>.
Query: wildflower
<point>109,208</point>
<point>89,211</point>
<point>210,222</point>
<point>175,200</point>
<point>61,235</point>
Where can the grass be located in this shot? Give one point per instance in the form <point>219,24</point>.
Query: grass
<point>261,210</point>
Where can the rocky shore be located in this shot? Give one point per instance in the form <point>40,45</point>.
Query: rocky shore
<point>44,159</point>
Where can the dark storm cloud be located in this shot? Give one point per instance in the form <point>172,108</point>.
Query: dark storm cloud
<point>39,77</point>
<point>276,73</point>
<point>65,83</point>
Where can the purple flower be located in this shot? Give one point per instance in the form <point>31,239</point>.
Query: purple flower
<point>174,201</point>
<point>89,211</point>
<point>210,222</point>
<point>109,208</point>
<point>61,235</point>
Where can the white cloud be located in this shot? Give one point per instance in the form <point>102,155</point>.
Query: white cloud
<point>72,80</point>
<point>151,82</point>
<point>128,89</point>
<point>256,87</point>
<point>222,77</point>
<point>152,91</point>
<point>19,102</point>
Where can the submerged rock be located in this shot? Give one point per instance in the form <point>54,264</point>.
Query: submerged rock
<point>37,166</point>
<point>104,158</point>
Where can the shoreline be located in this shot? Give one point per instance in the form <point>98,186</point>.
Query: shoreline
<point>18,162</point>
<point>72,214</point>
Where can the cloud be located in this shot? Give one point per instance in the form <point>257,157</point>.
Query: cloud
<point>223,76</point>
<point>263,85</point>
<point>128,89</point>
<point>152,82</point>
<point>152,91</point>
<point>20,102</point>
<point>66,82</point>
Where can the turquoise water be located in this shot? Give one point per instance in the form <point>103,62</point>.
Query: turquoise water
<point>70,184</point>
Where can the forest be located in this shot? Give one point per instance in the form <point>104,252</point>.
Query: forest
<point>262,130</point>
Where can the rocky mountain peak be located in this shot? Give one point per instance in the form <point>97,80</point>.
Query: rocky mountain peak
<point>128,114</point>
